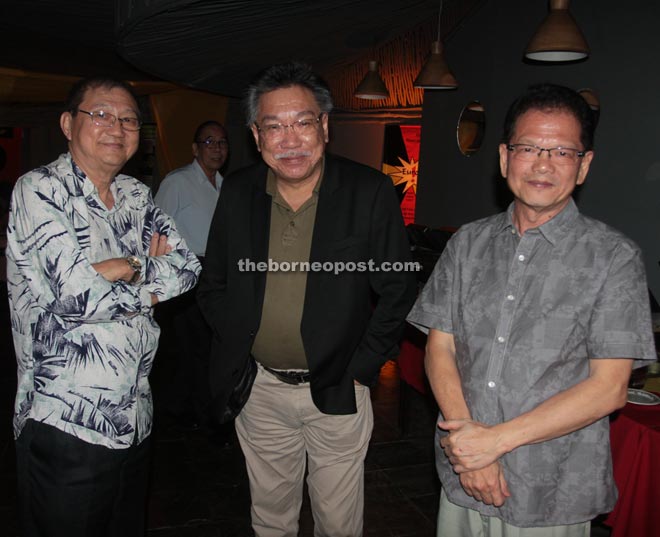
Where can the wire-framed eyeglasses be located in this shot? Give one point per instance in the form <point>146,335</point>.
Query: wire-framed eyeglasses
<point>101,118</point>
<point>559,155</point>
<point>302,127</point>
<point>210,142</point>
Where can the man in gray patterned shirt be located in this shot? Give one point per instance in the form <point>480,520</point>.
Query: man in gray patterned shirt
<point>88,256</point>
<point>535,318</point>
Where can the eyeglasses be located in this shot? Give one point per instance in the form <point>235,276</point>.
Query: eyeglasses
<point>559,155</point>
<point>102,118</point>
<point>302,127</point>
<point>212,143</point>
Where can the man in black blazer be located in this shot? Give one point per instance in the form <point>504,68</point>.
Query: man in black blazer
<point>308,270</point>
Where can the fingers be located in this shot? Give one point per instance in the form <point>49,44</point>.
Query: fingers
<point>486,485</point>
<point>153,245</point>
<point>158,245</point>
<point>452,425</point>
<point>504,486</point>
<point>469,445</point>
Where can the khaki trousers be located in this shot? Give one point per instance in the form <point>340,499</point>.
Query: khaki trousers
<point>456,521</point>
<point>280,431</point>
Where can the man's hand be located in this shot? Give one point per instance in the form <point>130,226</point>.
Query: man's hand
<point>158,245</point>
<point>486,485</point>
<point>114,269</point>
<point>469,445</point>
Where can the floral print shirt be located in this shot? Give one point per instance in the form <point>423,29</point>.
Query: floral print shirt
<point>528,314</point>
<point>85,345</point>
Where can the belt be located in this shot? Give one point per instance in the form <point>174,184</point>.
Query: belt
<point>290,377</point>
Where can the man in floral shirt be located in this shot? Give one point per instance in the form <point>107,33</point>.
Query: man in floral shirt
<point>89,254</point>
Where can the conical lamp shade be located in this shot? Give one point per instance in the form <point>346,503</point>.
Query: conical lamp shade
<point>435,74</point>
<point>559,38</point>
<point>372,86</point>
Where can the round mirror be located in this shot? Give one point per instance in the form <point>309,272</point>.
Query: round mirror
<point>590,96</point>
<point>471,128</point>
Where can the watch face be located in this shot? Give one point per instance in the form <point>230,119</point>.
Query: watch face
<point>134,262</point>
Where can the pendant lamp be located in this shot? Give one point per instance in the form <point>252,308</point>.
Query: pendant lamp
<point>436,74</point>
<point>558,38</point>
<point>372,85</point>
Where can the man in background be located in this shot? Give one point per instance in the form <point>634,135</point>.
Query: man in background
<point>534,319</point>
<point>88,256</point>
<point>189,195</point>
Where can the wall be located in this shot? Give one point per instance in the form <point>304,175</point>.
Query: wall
<point>623,186</point>
<point>361,142</point>
<point>177,114</point>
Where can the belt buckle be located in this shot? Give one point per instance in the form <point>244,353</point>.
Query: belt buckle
<point>289,377</point>
<point>300,377</point>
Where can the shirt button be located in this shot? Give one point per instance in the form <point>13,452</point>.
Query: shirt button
<point>491,384</point>
<point>510,297</point>
<point>521,257</point>
<point>500,339</point>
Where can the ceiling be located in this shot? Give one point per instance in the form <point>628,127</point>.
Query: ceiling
<point>214,45</point>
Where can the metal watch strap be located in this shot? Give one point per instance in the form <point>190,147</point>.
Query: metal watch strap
<point>136,266</point>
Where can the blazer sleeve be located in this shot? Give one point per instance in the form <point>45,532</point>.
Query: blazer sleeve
<point>212,290</point>
<point>393,281</point>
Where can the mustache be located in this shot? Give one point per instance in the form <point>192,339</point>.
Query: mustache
<point>292,154</point>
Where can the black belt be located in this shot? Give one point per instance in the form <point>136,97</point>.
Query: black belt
<point>290,377</point>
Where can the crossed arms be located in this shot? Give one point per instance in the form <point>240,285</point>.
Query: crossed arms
<point>118,269</point>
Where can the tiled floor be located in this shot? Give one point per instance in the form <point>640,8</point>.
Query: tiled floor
<point>200,490</point>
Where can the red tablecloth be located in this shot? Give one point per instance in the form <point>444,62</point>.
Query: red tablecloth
<point>635,439</point>
<point>411,362</point>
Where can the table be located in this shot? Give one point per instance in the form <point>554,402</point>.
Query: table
<point>411,359</point>
<point>635,441</point>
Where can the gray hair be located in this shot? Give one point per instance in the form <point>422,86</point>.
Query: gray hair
<point>286,75</point>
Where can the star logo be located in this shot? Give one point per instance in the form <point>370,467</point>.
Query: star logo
<point>406,174</point>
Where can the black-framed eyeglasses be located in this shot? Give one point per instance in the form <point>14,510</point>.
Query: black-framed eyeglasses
<point>212,143</point>
<point>101,118</point>
<point>559,155</point>
<point>302,127</point>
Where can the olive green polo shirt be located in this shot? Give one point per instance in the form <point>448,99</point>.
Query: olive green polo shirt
<point>278,343</point>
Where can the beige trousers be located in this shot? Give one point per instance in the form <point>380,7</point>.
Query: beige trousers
<point>457,521</point>
<point>281,431</point>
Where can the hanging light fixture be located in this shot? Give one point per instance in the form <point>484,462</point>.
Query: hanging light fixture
<point>436,74</point>
<point>558,38</point>
<point>372,85</point>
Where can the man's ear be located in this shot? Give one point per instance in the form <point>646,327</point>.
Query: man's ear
<point>66,119</point>
<point>504,159</point>
<point>255,133</point>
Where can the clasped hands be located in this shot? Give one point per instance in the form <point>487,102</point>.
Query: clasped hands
<point>473,451</point>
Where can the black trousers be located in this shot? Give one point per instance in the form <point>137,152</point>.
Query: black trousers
<point>189,391</point>
<point>69,488</point>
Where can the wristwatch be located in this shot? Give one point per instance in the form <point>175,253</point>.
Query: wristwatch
<point>136,265</point>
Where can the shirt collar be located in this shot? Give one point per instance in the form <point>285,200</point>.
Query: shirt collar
<point>552,230</point>
<point>202,176</point>
<point>88,188</point>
